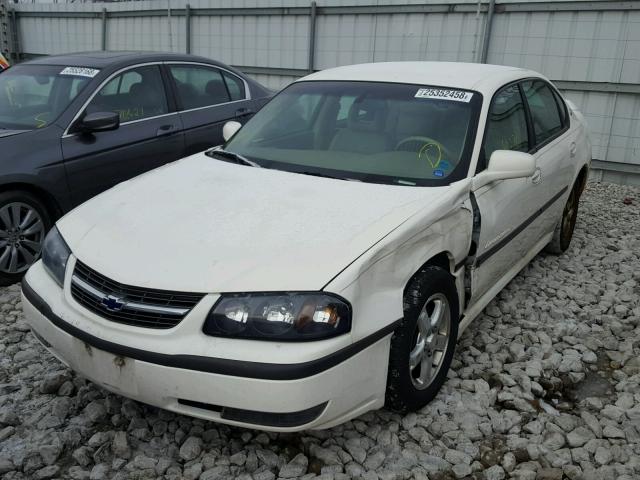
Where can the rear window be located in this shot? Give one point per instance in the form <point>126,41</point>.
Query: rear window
<point>547,121</point>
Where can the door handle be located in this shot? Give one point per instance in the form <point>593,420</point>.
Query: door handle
<point>537,176</point>
<point>573,149</point>
<point>241,112</point>
<point>165,130</point>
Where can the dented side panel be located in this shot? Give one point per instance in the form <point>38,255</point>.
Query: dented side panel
<point>375,282</point>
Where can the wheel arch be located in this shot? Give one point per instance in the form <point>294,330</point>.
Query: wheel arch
<point>583,176</point>
<point>444,260</point>
<point>48,200</point>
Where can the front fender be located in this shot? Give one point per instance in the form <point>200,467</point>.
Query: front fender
<point>375,282</point>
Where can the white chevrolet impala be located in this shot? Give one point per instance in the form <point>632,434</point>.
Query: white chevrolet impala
<point>324,261</point>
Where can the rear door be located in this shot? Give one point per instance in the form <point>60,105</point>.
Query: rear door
<point>208,97</point>
<point>150,133</point>
<point>553,149</point>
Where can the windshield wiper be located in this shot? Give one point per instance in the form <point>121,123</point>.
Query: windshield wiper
<point>232,157</point>
<point>324,175</point>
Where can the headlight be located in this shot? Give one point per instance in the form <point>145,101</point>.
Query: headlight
<point>279,317</point>
<point>55,254</point>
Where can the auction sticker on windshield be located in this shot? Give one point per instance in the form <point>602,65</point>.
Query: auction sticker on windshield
<point>80,71</point>
<point>444,94</point>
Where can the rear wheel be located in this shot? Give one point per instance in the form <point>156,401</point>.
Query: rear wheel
<point>24,222</point>
<point>423,345</point>
<point>563,233</point>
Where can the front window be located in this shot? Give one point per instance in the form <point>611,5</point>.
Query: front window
<point>33,96</point>
<point>373,132</point>
<point>506,123</point>
<point>135,94</point>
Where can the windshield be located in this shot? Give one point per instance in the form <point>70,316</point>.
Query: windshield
<point>372,132</point>
<point>33,96</point>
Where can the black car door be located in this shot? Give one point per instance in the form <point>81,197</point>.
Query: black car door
<point>150,133</point>
<point>208,97</point>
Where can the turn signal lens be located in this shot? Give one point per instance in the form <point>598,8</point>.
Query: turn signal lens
<point>279,317</point>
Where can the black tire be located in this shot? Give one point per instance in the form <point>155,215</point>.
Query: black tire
<point>563,232</point>
<point>21,237</point>
<point>432,284</point>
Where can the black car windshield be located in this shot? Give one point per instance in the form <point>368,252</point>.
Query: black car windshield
<point>33,96</point>
<point>373,132</point>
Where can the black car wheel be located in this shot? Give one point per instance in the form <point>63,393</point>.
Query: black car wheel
<point>563,232</point>
<point>423,345</point>
<point>24,222</point>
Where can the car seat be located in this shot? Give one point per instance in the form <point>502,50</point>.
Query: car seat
<point>216,92</point>
<point>365,132</point>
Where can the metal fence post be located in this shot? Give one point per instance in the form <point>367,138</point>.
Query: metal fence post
<point>187,29</point>
<point>5,31</point>
<point>104,29</point>
<point>15,36</point>
<point>487,32</point>
<point>312,36</point>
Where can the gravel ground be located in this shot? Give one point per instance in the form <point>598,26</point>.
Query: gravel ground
<point>544,385</point>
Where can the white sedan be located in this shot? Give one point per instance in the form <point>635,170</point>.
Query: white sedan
<point>325,260</point>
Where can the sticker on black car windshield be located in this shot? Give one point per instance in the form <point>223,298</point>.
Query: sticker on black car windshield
<point>444,94</point>
<point>80,72</point>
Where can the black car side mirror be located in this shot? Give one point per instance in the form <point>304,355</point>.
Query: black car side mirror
<point>99,122</point>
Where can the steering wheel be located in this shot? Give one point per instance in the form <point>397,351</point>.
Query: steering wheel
<point>429,149</point>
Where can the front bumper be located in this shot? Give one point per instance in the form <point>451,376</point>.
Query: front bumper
<point>318,393</point>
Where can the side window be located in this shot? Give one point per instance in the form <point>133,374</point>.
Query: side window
<point>544,110</point>
<point>199,86</point>
<point>135,94</point>
<point>506,123</point>
<point>235,86</point>
<point>562,107</point>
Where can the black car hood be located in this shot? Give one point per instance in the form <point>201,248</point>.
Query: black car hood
<point>8,133</point>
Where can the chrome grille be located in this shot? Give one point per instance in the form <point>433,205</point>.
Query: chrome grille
<point>140,307</point>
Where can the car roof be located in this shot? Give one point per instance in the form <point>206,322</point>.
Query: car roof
<point>471,76</point>
<point>102,59</point>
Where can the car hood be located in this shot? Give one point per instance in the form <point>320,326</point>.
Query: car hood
<point>204,225</point>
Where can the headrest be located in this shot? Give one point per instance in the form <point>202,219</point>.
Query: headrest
<point>368,115</point>
<point>215,87</point>
<point>136,89</point>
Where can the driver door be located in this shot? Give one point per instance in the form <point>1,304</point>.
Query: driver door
<point>506,207</point>
<point>149,135</point>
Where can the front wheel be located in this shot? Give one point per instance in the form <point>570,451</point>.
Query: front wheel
<point>24,222</point>
<point>423,345</point>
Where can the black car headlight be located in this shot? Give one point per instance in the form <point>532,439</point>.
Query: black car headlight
<point>55,254</point>
<point>290,316</point>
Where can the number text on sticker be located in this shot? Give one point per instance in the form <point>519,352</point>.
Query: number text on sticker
<point>80,71</point>
<point>444,94</point>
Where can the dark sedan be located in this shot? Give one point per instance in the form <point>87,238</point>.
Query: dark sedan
<point>75,125</point>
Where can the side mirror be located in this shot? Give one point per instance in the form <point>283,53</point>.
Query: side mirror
<point>99,122</point>
<point>230,129</point>
<point>505,164</point>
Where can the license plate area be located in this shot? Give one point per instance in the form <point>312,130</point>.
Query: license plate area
<point>114,372</point>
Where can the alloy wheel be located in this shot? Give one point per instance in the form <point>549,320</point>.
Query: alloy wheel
<point>22,233</point>
<point>432,340</point>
